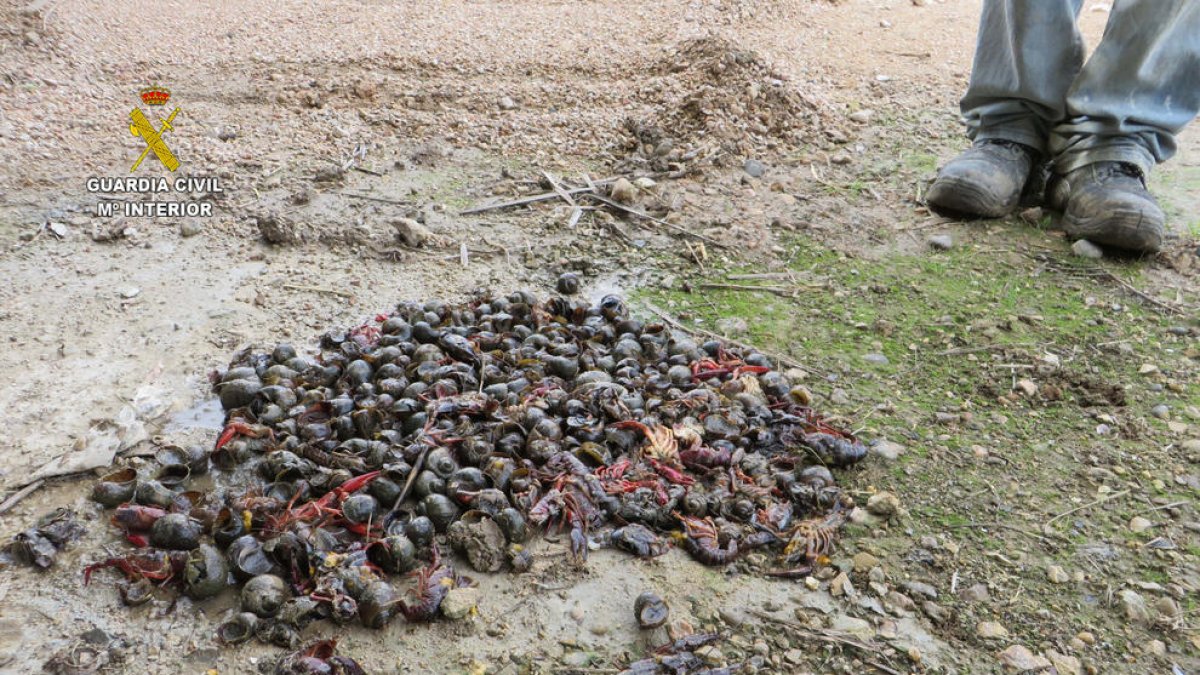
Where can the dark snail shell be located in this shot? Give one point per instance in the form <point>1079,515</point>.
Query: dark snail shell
<point>176,531</point>
<point>512,523</point>
<point>441,463</point>
<point>440,511</point>
<point>238,393</point>
<point>172,476</point>
<point>428,483</point>
<point>154,493</point>
<point>395,553</point>
<point>205,572</point>
<point>134,593</point>
<point>379,604</point>
<point>360,508</point>
<point>464,482</point>
<point>299,612</point>
<point>815,476</point>
<point>115,488</point>
<point>227,527</point>
<point>237,630</point>
<point>420,531</point>
<point>650,610</point>
<point>280,635</point>
<point>265,594</point>
<point>247,559</point>
<point>193,457</point>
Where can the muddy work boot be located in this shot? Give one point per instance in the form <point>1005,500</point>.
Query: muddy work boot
<point>1107,203</point>
<point>985,181</point>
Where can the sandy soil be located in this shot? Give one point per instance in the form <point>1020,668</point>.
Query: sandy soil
<point>446,104</point>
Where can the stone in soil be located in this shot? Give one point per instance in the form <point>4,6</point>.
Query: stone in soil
<point>857,627</point>
<point>941,242</point>
<point>1134,607</point>
<point>1168,609</point>
<point>865,562</point>
<point>877,359</point>
<point>888,450</point>
<point>884,504</point>
<point>991,630</point>
<point>459,602</point>
<point>623,191</point>
<point>411,233</point>
<point>577,659</point>
<point>841,586</point>
<point>754,168</point>
<point>1161,411</point>
<point>976,593</point>
<point>1019,659</point>
<point>1065,664</point>
<point>1057,574</point>
<point>862,116</point>
<point>191,228</point>
<point>1086,249</point>
<point>1138,524</point>
<point>920,588</point>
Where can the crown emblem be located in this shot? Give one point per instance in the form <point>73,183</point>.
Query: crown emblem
<point>155,95</point>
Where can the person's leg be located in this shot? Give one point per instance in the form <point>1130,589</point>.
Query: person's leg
<point>1026,56</point>
<point>1138,90</point>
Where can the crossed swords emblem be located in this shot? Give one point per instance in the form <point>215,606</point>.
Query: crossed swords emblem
<point>154,138</point>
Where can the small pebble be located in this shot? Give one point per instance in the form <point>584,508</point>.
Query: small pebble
<point>991,630</point>
<point>1086,249</point>
<point>862,116</point>
<point>754,168</point>
<point>1161,411</point>
<point>1138,524</point>
<point>941,242</point>
<point>878,359</point>
<point>1057,574</point>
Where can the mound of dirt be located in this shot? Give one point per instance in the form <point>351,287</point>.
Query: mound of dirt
<point>709,97</point>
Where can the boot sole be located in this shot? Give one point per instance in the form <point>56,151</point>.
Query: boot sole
<point>958,199</point>
<point>1122,228</point>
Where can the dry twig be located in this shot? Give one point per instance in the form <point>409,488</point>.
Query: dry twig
<point>20,494</point>
<point>1103,499</point>
<point>317,289</point>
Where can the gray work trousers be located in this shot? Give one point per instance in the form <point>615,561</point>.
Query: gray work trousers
<point>1139,89</point>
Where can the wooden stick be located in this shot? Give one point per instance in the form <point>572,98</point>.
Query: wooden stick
<point>761,275</point>
<point>532,199</point>
<point>21,494</point>
<point>1103,499</point>
<point>318,289</point>
<point>782,291</point>
<point>641,214</point>
<point>778,358</point>
<point>566,196</point>
<point>412,477</point>
<point>384,200</point>
<point>1169,308</point>
<point>1005,526</point>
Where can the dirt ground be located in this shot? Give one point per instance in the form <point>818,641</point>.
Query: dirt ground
<point>327,121</point>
